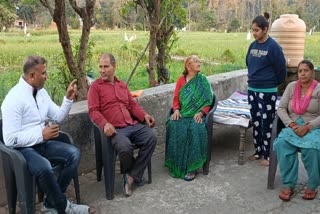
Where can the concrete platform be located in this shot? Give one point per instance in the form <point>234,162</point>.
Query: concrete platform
<point>229,187</point>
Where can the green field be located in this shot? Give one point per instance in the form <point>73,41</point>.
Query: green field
<point>220,52</point>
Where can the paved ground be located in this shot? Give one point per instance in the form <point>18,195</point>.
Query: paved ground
<point>229,188</point>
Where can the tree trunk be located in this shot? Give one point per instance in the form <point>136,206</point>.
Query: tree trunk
<point>163,36</point>
<point>86,15</point>
<point>75,66</point>
<point>152,56</point>
<point>152,10</point>
<point>59,17</point>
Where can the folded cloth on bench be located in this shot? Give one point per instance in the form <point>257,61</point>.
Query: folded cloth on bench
<point>235,110</point>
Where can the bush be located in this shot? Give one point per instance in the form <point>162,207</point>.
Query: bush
<point>227,56</point>
<point>8,80</point>
<point>139,26</point>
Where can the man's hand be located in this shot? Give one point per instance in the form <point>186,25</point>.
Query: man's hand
<point>149,120</point>
<point>50,132</point>
<point>176,115</point>
<point>300,130</point>
<point>71,90</point>
<point>109,130</point>
<point>198,117</point>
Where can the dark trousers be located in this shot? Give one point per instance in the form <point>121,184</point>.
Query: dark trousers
<point>129,138</point>
<point>263,107</point>
<point>38,159</point>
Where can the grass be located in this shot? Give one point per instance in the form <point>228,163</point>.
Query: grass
<point>220,52</point>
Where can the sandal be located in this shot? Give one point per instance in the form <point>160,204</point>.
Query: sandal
<point>126,187</point>
<point>285,194</point>
<point>190,176</point>
<point>254,157</point>
<point>309,194</point>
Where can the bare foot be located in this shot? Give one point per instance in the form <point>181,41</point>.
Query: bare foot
<point>254,157</point>
<point>127,185</point>
<point>264,162</point>
<point>130,179</point>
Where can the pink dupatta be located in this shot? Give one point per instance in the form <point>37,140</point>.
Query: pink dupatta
<point>299,105</point>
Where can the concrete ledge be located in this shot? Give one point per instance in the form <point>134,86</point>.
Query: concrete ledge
<point>156,101</point>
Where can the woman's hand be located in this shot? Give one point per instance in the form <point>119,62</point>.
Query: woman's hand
<point>301,130</point>
<point>176,115</point>
<point>198,117</point>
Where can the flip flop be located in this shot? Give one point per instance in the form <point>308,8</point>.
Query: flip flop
<point>309,194</point>
<point>285,194</point>
<point>126,187</point>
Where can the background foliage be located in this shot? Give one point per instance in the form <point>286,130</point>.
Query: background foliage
<point>220,52</point>
<point>203,15</point>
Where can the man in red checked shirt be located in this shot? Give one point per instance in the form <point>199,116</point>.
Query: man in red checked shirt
<point>113,109</point>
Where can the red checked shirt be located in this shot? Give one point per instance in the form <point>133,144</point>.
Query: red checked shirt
<point>112,103</point>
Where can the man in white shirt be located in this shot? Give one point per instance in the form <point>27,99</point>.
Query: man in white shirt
<point>25,110</point>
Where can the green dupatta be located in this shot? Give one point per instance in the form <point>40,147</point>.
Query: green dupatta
<point>195,95</point>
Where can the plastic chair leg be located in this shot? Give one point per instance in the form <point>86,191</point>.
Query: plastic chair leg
<point>205,167</point>
<point>149,173</point>
<point>209,127</point>
<point>76,187</point>
<point>272,170</point>
<point>109,159</point>
<point>11,189</point>
<point>26,195</point>
<point>99,160</point>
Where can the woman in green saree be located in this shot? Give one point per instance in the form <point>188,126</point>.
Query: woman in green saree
<point>186,146</point>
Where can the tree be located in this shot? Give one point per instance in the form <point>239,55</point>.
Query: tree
<point>207,20</point>
<point>161,16</point>
<point>233,25</point>
<point>312,14</point>
<point>7,17</point>
<point>172,14</point>
<point>85,9</point>
<point>152,11</point>
<point>103,15</point>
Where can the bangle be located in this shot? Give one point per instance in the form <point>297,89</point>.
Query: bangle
<point>308,127</point>
<point>177,110</point>
<point>203,113</point>
<point>293,124</point>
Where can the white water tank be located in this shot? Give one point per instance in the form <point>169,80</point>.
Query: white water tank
<point>289,31</point>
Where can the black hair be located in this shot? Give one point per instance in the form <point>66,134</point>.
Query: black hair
<point>261,22</point>
<point>31,62</point>
<point>308,63</point>
<point>266,15</point>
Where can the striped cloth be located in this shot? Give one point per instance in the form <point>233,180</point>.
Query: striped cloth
<point>235,110</point>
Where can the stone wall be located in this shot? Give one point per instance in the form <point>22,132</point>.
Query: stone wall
<point>156,101</point>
